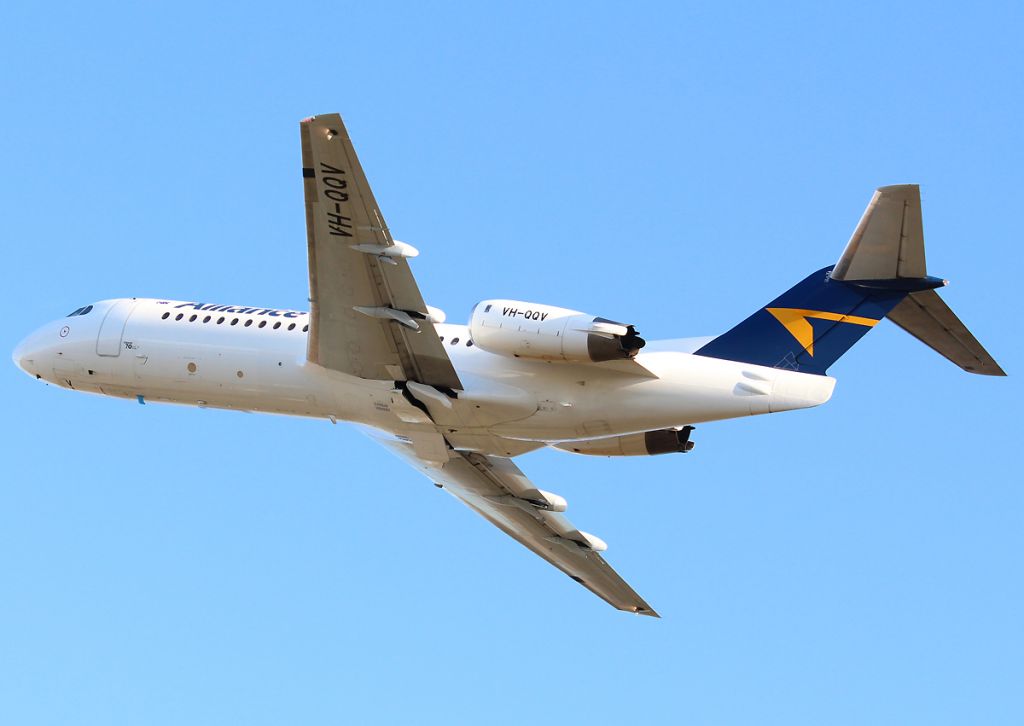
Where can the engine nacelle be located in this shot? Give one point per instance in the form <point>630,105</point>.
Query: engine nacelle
<point>531,330</point>
<point>650,443</point>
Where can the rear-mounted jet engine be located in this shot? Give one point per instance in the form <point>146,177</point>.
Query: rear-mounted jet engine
<point>531,330</point>
<point>650,443</point>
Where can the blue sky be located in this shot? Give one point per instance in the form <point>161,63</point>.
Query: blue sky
<point>671,165</point>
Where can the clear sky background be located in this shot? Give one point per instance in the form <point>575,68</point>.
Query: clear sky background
<point>674,166</point>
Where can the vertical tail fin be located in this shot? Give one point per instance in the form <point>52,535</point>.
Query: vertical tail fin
<point>811,325</point>
<point>808,327</point>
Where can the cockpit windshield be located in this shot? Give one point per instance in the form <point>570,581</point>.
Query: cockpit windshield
<point>81,311</point>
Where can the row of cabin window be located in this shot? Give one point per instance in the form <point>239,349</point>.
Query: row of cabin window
<point>234,321</point>
<point>455,341</point>
<point>262,324</point>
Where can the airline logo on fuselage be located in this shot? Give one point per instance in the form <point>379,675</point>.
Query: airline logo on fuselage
<point>208,307</point>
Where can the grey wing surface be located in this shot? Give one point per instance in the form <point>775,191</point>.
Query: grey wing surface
<point>367,316</point>
<point>495,488</point>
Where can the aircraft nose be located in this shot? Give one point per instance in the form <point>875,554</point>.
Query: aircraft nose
<point>25,355</point>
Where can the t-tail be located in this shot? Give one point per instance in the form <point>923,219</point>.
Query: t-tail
<point>881,274</point>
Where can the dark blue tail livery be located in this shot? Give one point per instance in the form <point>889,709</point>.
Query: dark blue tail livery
<point>808,327</point>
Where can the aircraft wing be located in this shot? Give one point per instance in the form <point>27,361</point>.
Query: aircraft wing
<point>496,489</point>
<point>367,316</point>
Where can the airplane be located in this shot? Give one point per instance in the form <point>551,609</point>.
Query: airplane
<point>460,402</point>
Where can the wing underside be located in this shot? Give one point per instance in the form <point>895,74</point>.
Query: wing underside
<point>496,489</point>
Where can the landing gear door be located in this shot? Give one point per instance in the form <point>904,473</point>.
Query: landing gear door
<point>108,342</point>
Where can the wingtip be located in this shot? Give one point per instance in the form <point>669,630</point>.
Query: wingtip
<point>314,117</point>
<point>638,610</point>
<point>994,370</point>
<point>986,368</point>
<point>896,188</point>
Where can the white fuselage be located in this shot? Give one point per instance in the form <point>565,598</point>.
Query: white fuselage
<point>254,359</point>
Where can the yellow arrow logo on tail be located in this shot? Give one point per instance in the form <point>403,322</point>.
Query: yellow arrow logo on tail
<point>798,325</point>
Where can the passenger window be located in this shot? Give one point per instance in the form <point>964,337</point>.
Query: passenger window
<point>234,321</point>
<point>469,343</point>
<point>193,318</point>
<point>305,328</point>
<point>455,341</point>
<point>179,316</point>
<point>206,319</point>
<point>277,325</point>
<point>291,327</point>
<point>442,338</point>
<point>220,320</point>
<point>165,316</point>
<point>248,322</point>
<point>262,323</point>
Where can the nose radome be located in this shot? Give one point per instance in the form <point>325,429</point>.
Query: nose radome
<point>24,356</point>
<point>20,356</point>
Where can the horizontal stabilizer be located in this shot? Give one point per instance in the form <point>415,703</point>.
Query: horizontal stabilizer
<point>925,316</point>
<point>888,243</point>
